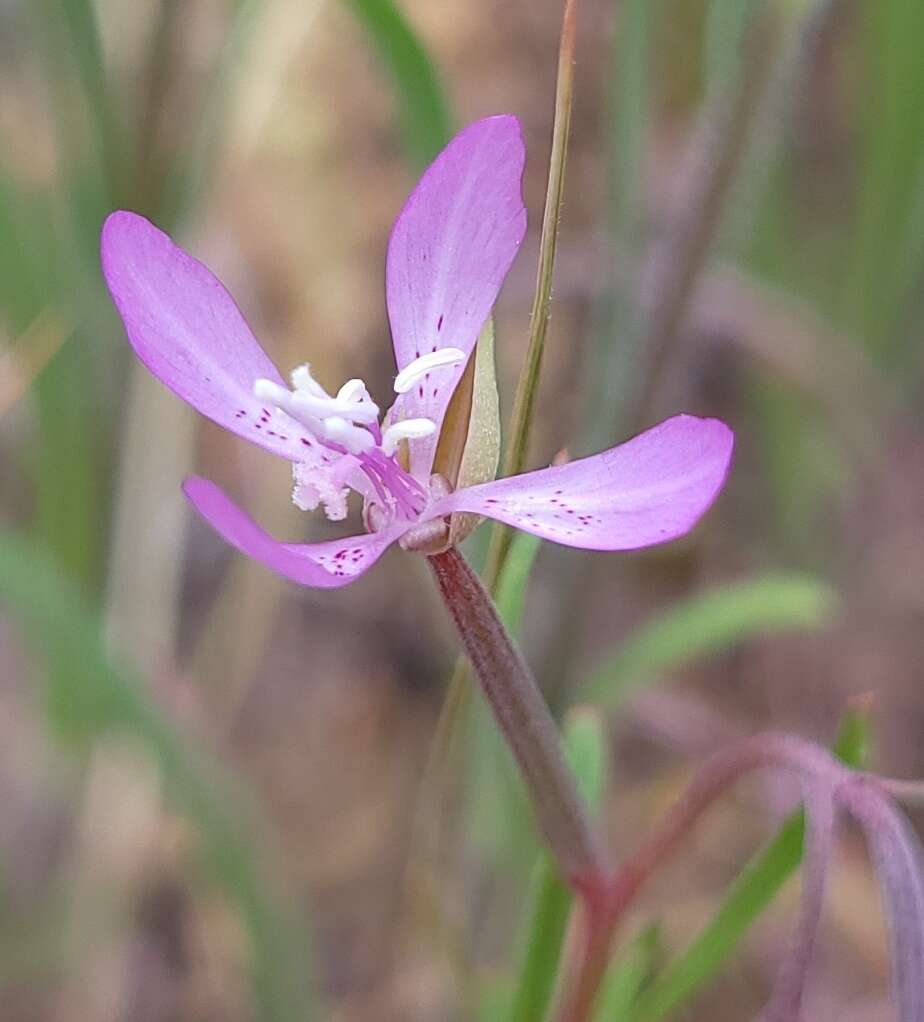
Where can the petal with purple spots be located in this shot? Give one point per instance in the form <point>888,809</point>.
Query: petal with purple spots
<point>449,252</point>
<point>187,329</point>
<point>648,490</point>
<point>322,565</point>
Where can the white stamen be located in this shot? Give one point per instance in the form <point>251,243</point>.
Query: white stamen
<point>274,394</point>
<point>354,438</point>
<point>311,408</point>
<point>302,380</point>
<point>266,390</point>
<point>407,429</point>
<point>416,370</point>
<point>353,390</point>
<point>365,412</point>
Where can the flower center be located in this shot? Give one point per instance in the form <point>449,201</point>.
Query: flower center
<point>347,423</point>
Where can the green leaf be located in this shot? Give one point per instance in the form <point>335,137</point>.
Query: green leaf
<point>750,894</point>
<point>584,737</point>
<point>627,975</point>
<point>89,696</point>
<point>514,577</point>
<point>891,168</point>
<point>69,37</point>
<point>726,25</point>
<point>187,174</point>
<point>469,445</point>
<point>501,819</point>
<point>585,748</point>
<point>708,623</point>
<point>425,116</point>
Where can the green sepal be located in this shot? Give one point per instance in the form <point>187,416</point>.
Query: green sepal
<point>469,447</point>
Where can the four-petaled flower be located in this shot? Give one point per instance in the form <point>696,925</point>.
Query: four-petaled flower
<point>448,255</point>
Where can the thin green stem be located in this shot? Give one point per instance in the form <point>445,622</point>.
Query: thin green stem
<point>524,405</point>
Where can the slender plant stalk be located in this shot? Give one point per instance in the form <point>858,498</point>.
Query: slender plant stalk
<point>705,184</point>
<point>143,583</point>
<point>150,150</point>
<point>524,405</point>
<point>458,692</point>
<point>524,720</point>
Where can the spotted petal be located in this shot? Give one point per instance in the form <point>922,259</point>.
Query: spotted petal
<point>649,490</point>
<point>322,565</point>
<point>187,329</point>
<point>449,252</point>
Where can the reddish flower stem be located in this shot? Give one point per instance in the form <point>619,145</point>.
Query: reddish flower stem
<point>525,721</point>
<point>530,731</point>
<point>603,914</point>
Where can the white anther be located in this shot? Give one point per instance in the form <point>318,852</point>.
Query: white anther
<point>353,390</point>
<point>302,380</point>
<point>354,438</point>
<point>407,429</point>
<point>266,390</point>
<point>416,370</point>
<point>274,394</point>
<point>365,412</point>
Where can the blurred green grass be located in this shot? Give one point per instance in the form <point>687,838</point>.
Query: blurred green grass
<point>857,260</point>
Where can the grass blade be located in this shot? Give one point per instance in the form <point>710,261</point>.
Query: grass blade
<point>751,893</point>
<point>627,975</point>
<point>89,696</point>
<point>585,749</point>
<point>524,401</point>
<point>892,162</point>
<point>514,577</point>
<point>425,117</point>
<point>708,623</point>
<point>500,814</point>
<point>70,37</point>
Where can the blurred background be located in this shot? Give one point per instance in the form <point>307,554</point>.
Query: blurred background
<point>210,780</point>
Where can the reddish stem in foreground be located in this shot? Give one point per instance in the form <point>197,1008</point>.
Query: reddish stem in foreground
<point>603,914</point>
<point>532,736</point>
<point>524,720</point>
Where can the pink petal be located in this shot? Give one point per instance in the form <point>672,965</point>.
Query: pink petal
<point>322,565</point>
<point>649,490</point>
<point>187,329</point>
<point>449,252</point>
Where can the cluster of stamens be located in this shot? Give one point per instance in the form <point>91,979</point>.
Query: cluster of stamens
<point>348,423</point>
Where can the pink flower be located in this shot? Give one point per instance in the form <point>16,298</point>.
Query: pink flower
<point>449,253</point>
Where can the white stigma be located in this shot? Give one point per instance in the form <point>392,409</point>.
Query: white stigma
<point>311,405</point>
<point>418,369</point>
<point>407,429</point>
<point>354,438</point>
<point>349,419</point>
<point>303,380</point>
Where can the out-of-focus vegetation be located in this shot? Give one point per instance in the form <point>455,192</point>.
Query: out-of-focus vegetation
<point>210,781</point>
